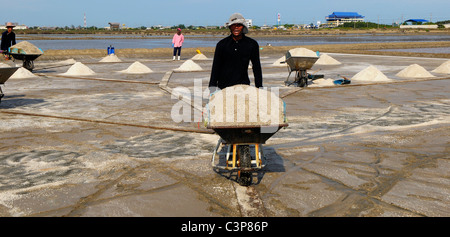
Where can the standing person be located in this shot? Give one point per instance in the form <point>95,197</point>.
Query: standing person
<point>177,42</point>
<point>8,38</point>
<point>232,57</point>
<point>230,67</point>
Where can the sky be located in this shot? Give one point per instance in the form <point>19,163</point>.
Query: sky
<point>136,13</point>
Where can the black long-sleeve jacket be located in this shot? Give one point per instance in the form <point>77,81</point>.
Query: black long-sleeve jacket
<point>8,40</point>
<point>231,61</point>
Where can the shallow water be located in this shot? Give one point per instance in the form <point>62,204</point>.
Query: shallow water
<point>125,41</point>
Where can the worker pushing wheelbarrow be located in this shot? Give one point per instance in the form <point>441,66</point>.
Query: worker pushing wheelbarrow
<point>240,121</point>
<point>244,117</point>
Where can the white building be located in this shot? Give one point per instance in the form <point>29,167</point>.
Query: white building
<point>339,18</point>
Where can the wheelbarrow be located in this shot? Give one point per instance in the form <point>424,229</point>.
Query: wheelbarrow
<point>300,65</point>
<point>20,54</point>
<point>5,74</point>
<point>26,58</point>
<point>234,146</point>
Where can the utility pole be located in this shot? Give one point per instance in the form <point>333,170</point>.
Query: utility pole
<point>378,22</point>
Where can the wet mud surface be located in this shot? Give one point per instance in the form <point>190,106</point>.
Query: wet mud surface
<point>80,146</point>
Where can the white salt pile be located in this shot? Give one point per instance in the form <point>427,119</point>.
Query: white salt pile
<point>278,62</point>
<point>25,47</point>
<point>137,68</point>
<point>444,68</point>
<point>414,70</point>
<point>79,69</point>
<point>371,73</point>
<point>244,105</point>
<point>199,56</point>
<point>111,58</point>
<point>325,59</point>
<point>188,66</point>
<point>322,82</point>
<point>22,73</point>
<point>302,52</point>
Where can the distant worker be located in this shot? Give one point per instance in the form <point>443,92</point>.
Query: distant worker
<point>8,38</point>
<point>232,57</point>
<point>177,42</point>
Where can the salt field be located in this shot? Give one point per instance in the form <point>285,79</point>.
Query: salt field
<point>88,137</point>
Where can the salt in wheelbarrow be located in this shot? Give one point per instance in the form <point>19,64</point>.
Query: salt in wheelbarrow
<point>300,64</point>
<point>234,147</point>
<point>5,74</point>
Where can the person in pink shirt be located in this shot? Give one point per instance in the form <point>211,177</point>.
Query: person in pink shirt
<point>177,42</point>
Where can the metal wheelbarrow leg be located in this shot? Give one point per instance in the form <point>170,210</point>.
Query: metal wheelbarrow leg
<point>238,158</point>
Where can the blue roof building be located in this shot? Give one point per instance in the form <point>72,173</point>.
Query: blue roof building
<point>339,18</point>
<point>416,21</point>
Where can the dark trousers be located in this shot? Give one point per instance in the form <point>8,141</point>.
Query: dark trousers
<point>175,50</point>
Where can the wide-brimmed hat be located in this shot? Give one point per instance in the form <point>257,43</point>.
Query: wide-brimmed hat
<point>10,24</point>
<point>237,18</point>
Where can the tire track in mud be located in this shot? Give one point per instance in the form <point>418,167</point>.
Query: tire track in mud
<point>250,204</point>
<point>83,203</point>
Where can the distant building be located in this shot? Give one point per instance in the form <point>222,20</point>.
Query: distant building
<point>114,25</point>
<point>339,18</point>
<point>265,27</point>
<point>249,22</point>
<point>416,21</point>
<point>417,24</point>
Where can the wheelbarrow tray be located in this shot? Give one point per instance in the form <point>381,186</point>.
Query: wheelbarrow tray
<point>300,63</point>
<point>6,73</point>
<point>20,56</point>
<point>248,134</point>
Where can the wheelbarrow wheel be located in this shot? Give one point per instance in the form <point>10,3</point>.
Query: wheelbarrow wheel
<point>28,64</point>
<point>301,79</point>
<point>245,161</point>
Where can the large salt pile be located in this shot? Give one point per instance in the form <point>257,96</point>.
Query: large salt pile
<point>244,105</point>
<point>444,68</point>
<point>371,73</point>
<point>25,47</point>
<point>188,66</point>
<point>137,68</point>
<point>22,73</point>
<point>302,52</point>
<point>199,56</point>
<point>111,58</point>
<point>79,69</point>
<point>414,70</point>
<point>325,59</point>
